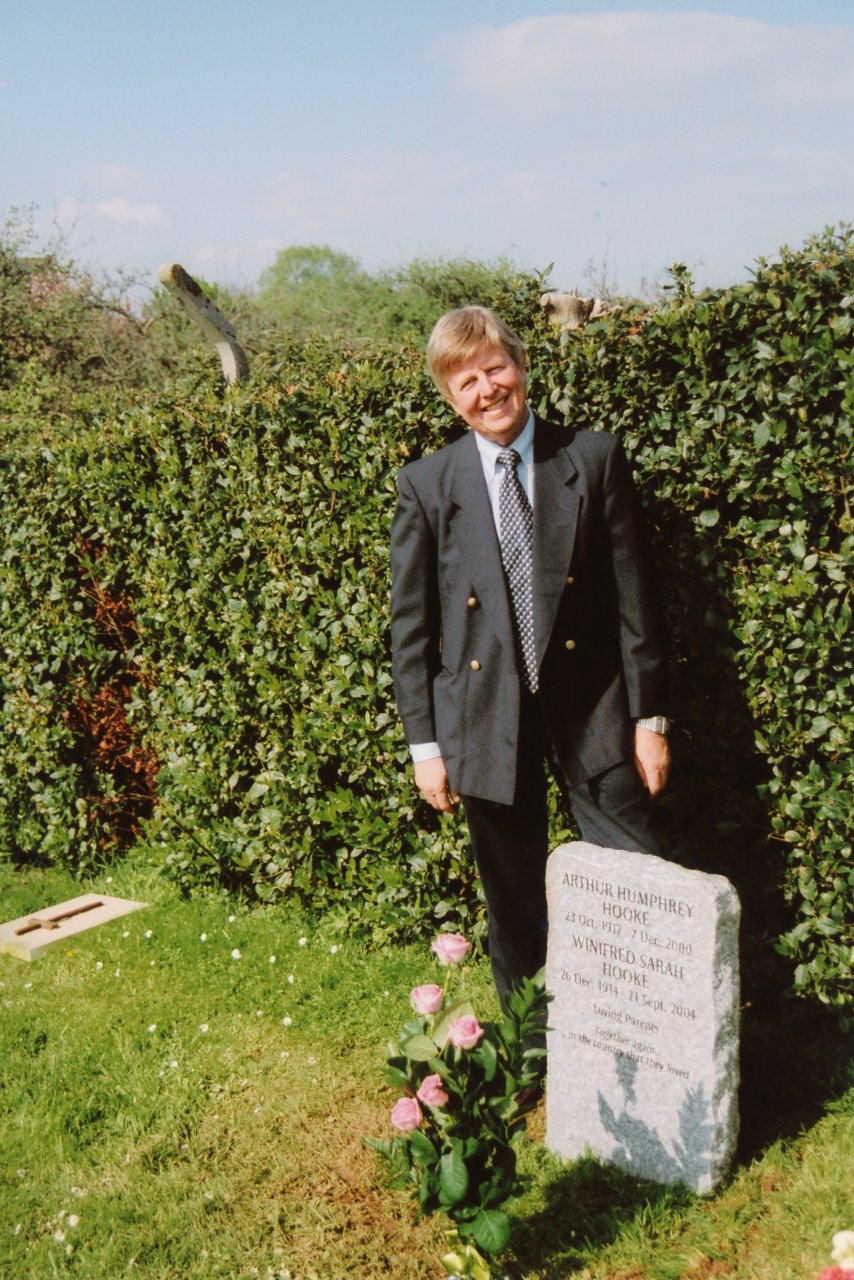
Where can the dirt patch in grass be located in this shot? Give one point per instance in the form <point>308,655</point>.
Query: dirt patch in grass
<point>705,1268</point>
<point>315,1190</point>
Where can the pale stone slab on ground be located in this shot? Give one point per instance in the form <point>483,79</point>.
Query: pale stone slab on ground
<point>30,936</point>
<point>643,1051</point>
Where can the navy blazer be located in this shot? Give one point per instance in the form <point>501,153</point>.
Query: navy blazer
<point>598,644</point>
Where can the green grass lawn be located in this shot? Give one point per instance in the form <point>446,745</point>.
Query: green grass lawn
<point>185,1093</point>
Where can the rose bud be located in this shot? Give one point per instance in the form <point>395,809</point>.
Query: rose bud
<point>431,1092</point>
<point>426,999</point>
<point>465,1032</point>
<point>406,1115</point>
<point>450,948</point>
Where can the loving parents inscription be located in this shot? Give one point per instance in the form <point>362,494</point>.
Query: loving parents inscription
<point>643,1050</point>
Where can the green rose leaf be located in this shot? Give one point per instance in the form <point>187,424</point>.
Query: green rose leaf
<point>488,1058</point>
<point>423,1151</point>
<point>397,1078</point>
<point>491,1230</point>
<point>419,1048</point>
<point>453,1177</point>
<point>505,1107</point>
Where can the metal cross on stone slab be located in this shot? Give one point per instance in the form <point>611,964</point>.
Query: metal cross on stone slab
<point>30,936</point>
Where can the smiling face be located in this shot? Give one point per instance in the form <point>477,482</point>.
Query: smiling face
<point>488,392</point>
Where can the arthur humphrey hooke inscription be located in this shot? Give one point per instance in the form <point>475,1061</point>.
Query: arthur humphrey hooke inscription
<point>643,1046</point>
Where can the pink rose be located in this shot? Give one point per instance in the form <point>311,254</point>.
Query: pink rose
<point>406,1115</point>
<point>426,999</point>
<point>451,948</point>
<point>465,1032</point>
<point>431,1092</point>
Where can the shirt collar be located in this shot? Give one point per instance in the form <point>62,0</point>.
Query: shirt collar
<point>523,444</point>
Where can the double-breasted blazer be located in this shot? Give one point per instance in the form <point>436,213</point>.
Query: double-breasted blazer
<point>597,633</point>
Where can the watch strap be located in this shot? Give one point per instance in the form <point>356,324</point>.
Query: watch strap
<point>656,724</point>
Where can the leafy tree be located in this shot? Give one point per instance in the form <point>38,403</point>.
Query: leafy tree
<point>53,316</point>
<point>69,339</point>
<point>316,289</point>
<point>435,285</point>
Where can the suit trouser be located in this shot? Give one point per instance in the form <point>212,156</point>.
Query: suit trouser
<point>510,843</point>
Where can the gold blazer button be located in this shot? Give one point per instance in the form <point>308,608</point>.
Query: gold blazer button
<point>474,664</point>
<point>570,581</point>
<point>570,644</point>
<point>472,601</point>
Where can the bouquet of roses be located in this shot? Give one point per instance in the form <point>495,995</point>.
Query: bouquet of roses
<point>466,1087</point>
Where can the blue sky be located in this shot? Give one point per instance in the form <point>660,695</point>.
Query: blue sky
<point>613,137</point>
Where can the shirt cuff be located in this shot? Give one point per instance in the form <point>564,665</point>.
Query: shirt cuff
<point>424,751</point>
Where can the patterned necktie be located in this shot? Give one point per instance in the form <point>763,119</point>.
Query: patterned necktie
<point>517,555</point>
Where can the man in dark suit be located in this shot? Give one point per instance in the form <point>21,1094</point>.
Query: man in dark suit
<point>524,633</point>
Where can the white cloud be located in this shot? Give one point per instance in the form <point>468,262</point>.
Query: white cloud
<point>589,62</point>
<point>391,208</point>
<point>120,209</point>
<point>321,202</point>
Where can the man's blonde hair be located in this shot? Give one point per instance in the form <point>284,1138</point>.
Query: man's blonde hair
<point>461,335</point>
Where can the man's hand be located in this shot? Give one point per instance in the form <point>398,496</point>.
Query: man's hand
<point>432,782</point>
<point>652,759</point>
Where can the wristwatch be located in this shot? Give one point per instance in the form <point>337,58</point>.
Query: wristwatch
<point>656,724</point>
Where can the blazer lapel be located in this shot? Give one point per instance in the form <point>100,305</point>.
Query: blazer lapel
<point>556,510</point>
<point>474,532</point>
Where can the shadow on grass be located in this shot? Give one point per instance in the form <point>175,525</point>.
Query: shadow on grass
<point>795,1062</point>
<point>586,1206</point>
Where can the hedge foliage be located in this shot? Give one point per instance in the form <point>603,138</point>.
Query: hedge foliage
<point>195,618</point>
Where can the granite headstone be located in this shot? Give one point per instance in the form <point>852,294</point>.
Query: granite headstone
<point>644,1025</point>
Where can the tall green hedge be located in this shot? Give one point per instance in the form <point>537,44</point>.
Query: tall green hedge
<point>737,408</point>
<point>195,620</point>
